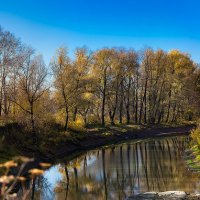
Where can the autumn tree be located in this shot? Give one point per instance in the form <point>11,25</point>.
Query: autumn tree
<point>130,82</point>
<point>31,86</point>
<point>102,67</point>
<point>82,81</point>
<point>11,57</point>
<point>64,74</point>
<point>181,68</point>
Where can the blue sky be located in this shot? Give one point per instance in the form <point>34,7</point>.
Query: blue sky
<point>48,24</point>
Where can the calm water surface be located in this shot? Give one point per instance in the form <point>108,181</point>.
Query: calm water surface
<point>117,172</point>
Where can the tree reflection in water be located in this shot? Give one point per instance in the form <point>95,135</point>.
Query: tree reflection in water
<point>119,171</point>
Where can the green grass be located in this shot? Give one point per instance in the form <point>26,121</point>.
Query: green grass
<point>6,152</point>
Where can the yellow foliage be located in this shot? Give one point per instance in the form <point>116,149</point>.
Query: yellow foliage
<point>77,126</point>
<point>45,165</point>
<point>60,117</point>
<point>79,122</point>
<point>9,164</point>
<point>87,95</point>
<point>196,136</point>
<point>36,172</point>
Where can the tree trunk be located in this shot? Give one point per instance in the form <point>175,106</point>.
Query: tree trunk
<point>141,111</point>
<point>127,116</point>
<point>128,102</point>
<point>85,119</point>
<point>103,103</point>
<point>5,96</point>
<point>136,95</point>
<point>32,119</point>
<point>111,118</point>
<point>174,117</point>
<point>143,100</point>
<point>160,115</point>
<point>121,104</point>
<point>67,118</point>
<point>145,107</point>
<point>169,106</point>
<point>103,111</point>
<point>136,105</point>
<point>75,113</point>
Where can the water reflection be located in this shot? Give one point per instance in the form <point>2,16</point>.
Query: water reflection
<point>119,171</point>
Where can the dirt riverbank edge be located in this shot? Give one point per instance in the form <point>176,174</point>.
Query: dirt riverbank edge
<point>95,140</point>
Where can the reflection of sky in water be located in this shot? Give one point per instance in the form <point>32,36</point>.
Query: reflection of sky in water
<point>91,160</point>
<point>119,172</point>
<point>52,175</point>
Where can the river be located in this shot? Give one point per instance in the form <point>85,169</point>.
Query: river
<point>116,172</point>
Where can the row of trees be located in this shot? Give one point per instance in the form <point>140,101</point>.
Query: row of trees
<point>119,85</point>
<point>110,85</point>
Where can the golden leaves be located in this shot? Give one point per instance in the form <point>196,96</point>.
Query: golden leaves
<point>9,164</point>
<point>45,165</point>
<point>21,178</point>
<point>6,179</point>
<point>36,172</point>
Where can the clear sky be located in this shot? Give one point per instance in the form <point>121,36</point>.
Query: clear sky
<point>48,24</point>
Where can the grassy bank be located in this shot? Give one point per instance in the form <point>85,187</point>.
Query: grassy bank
<point>193,154</point>
<point>55,142</point>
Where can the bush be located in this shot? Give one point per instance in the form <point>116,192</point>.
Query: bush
<point>93,120</point>
<point>195,135</point>
<point>77,127</point>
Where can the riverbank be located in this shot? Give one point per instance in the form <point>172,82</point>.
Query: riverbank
<point>54,145</point>
<point>95,138</point>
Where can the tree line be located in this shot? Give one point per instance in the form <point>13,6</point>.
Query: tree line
<point>106,86</point>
